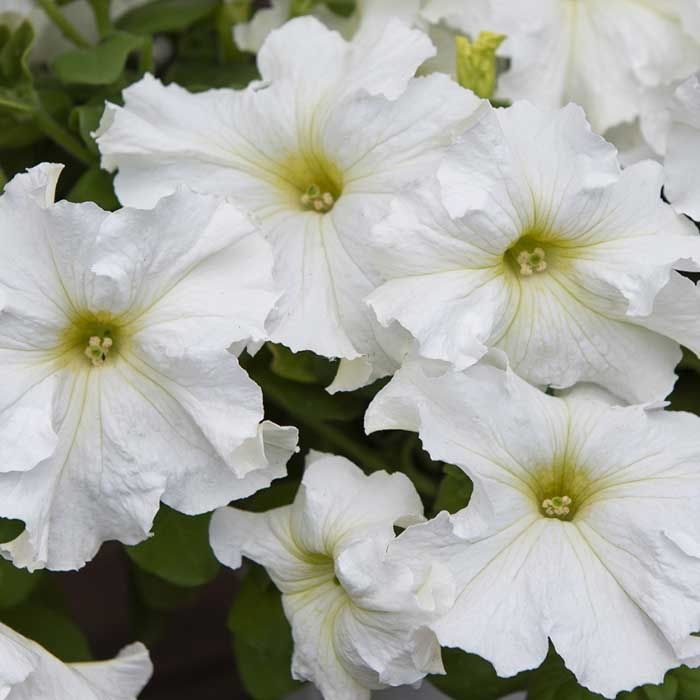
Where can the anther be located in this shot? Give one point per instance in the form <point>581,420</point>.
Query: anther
<point>556,506</point>
<point>98,349</point>
<point>531,262</point>
<point>317,200</point>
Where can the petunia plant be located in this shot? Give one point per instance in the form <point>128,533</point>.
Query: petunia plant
<point>348,349</point>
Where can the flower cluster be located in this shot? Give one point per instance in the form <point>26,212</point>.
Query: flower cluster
<point>524,292</point>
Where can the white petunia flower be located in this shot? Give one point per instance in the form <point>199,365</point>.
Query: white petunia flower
<point>368,19</point>
<point>601,54</point>
<point>358,598</point>
<point>118,390</point>
<point>534,242</point>
<point>29,672</point>
<point>584,527</point>
<point>251,35</point>
<point>682,185</point>
<point>316,151</point>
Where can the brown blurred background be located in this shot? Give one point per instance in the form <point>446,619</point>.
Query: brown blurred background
<point>193,657</point>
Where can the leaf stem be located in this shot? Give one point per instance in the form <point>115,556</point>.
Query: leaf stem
<point>51,128</point>
<point>103,21</point>
<point>59,19</point>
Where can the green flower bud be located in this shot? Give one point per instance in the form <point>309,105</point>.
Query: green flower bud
<point>476,63</point>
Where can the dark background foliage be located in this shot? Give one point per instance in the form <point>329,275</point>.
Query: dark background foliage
<point>213,633</point>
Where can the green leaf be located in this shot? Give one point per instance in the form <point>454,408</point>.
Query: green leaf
<point>85,119</point>
<point>18,133</point>
<point>262,639</point>
<point>686,393</point>
<point>280,493</point>
<point>98,65</point>
<point>53,629</point>
<point>9,529</point>
<point>688,680</point>
<point>470,677</point>
<point>455,490</point>
<point>16,81</point>
<point>553,681</point>
<point>166,16</point>
<point>159,595</point>
<point>344,8</point>
<point>95,185</point>
<point>667,691</point>
<point>303,367</point>
<point>198,75</point>
<point>307,400</point>
<point>179,550</point>
<point>16,584</point>
<point>302,7</point>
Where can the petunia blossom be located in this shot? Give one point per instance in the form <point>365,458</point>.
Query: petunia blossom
<point>584,527</point>
<point>532,240</point>
<point>602,54</point>
<point>118,387</point>
<point>358,598</point>
<point>315,150</point>
<point>29,672</point>
<point>369,18</point>
<point>682,185</point>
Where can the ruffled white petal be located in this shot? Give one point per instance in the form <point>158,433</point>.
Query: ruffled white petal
<point>446,253</point>
<point>121,678</point>
<point>605,56</point>
<point>682,185</point>
<point>313,115</point>
<point>614,588</point>
<point>170,414</point>
<point>323,65</point>
<point>358,599</point>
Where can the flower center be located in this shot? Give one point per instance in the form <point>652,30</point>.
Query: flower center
<point>313,180</point>
<point>95,337</point>
<point>556,506</point>
<point>531,262</point>
<point>562,488</point>
<point>315,199</point>
<point>98,349</point>
<point>528,257</point>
